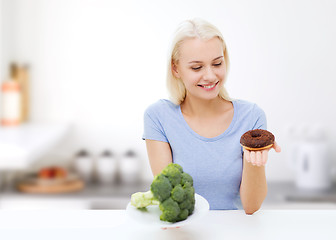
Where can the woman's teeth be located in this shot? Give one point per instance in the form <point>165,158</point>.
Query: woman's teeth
<point>209,86</point>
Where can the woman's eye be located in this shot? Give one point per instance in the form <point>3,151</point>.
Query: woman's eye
<point>196,68</point>
<point>217,64</point>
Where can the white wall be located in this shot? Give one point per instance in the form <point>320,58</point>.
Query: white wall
<point>99,64</point>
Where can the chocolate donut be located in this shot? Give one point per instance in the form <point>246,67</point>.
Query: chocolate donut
<point>257,139</point>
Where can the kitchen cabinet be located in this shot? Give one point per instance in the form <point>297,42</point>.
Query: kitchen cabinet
<point>21,145</point>
<point>114,224</point>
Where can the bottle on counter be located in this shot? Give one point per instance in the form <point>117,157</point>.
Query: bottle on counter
<point>15,96</point>
<point>84,165</point>
<point>106,166</point>
<point>10,103</point>
<point>129,168</point>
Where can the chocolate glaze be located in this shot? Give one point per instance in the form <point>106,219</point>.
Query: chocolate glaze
<point>257,138</point>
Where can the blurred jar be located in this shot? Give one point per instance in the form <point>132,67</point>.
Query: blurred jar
<point>129,168</point>
<point>313,164</point>
<point>84,165</point>
<point>106,166</point>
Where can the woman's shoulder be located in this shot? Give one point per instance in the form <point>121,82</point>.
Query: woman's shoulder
<point>161,106</point>
<point>247,106</point>
<point>251,114</point>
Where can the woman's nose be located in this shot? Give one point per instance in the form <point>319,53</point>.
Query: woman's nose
<point>209,74</point>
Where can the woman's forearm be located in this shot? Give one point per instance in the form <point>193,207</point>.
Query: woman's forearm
<point>253,189</point>
<point>159,155</point>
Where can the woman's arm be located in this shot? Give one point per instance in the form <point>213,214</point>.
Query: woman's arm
<point>159,155</point>
<point>253,188</point>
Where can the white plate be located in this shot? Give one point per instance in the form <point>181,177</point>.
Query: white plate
<point>152,215</point>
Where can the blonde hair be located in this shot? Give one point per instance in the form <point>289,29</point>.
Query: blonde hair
<point>196,28</point>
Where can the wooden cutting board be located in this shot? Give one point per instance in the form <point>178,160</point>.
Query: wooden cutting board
<point>51,188</point>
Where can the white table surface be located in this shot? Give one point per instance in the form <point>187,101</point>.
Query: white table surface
<point>114,224</point>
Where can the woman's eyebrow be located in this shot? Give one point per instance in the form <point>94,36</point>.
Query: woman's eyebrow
<point>201,61</point>
<point>217,58</point>
<point>195,62</point>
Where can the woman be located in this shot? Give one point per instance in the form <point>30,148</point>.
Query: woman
<point>200,128</point>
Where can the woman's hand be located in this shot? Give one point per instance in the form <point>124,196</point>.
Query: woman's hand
<point>259,158</point>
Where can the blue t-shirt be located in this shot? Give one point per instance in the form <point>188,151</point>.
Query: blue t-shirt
<point>214,163</point>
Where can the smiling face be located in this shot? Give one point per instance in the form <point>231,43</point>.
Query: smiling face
<point>201,67</point>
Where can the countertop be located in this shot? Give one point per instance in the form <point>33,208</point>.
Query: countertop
<point>285,195</point>
<point>93,196</point>
<point>281,195</point>
<point>114,224</point>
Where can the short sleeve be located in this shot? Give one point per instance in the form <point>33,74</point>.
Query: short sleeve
<point>260,118</point>
<point>153,129</point>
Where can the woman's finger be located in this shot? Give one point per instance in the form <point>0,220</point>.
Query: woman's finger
<point>276,147</point>
<point>264,157</point>
<point>247,155</point>
<point>253,157</point>
<point>258,158</point>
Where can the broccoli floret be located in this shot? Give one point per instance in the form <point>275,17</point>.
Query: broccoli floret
<point>161,187</point>
<point>189,191</point>
<point>183,215</point>
<point>173,190</point>
<point>173,173</point>
<point>189,202</point>
<point>170,210</point>
<point>177,166</point>
<point>186,178</point>
<point>178,193</point>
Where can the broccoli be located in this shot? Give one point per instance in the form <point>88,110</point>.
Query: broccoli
<point>172,190</point>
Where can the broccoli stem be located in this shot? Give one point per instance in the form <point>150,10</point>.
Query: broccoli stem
<point>143,199</point>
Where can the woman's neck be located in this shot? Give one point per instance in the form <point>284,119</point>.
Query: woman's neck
<point>197,107</point>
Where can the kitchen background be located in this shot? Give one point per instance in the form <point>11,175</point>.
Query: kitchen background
<point>92,67</point>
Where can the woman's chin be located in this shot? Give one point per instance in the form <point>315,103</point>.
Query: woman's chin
<point>208,97</point>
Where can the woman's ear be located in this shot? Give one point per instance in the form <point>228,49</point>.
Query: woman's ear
<point>175,71</point>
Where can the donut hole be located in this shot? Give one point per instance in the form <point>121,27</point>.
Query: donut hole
<point>255,134</point>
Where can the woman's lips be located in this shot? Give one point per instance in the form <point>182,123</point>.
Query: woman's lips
<point>208,87</point>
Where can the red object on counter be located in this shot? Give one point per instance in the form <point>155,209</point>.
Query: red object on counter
<point>52,172</point>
